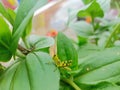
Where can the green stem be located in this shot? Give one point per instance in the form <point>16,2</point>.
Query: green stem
<point>70,82</point>
<point>93,23</point>
<point>112,34</point>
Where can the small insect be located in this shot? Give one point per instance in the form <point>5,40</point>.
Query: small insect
<point>62,64</point>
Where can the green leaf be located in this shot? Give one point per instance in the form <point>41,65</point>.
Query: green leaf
<point>82,28</point>
<point>99,67</point>
<point>24,14</point>
<point>99,86</point>
<point>93,9</point>
<point>105,5</point>
<point>40,42</point>
<point>27,30</point>
<point>86,1</point>
<point>87,50</point>
<point>45,50</point>
<point>6,13</point>
<point>66,50</point>
<point>81,41</point>
<point>33,73</point>
<point>105,86</point>
<point>5,41</point>
<point>12,14</point>
<point>2,68</point>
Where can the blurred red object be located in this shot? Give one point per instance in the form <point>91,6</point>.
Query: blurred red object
<point>8,5</point>
<point>52,33</point>
<point>51,0</point>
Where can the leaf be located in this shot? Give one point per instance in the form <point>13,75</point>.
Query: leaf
<point>99,67</point>
<point>100,86</point>
<point>5,41</point>
<point>66,50</point>
<point>105,5</point>
<point>12,14</point>
<point>110,23</point>
<point>24,14</point>
<point>93,9</point>
<point>45,50</point>
<point>40,42</point>
<point>6,13</point>
<point>82,28</point>
<point>33,73</point>
<point>81,41</point>
<point>87,50</point>
<point>27,29</point>
<point>2,68</point>
<point>105,86</point>
<point>86,1</point>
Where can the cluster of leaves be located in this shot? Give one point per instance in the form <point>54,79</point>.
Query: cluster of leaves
<point>30,69</point>
<point>98,44</point>
<point>93,66</point>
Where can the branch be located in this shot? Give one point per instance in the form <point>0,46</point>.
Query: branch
<point>23,50</point>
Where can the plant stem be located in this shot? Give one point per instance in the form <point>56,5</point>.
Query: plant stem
<point>23,50</point>
<point>93,23</point>
<point>70,82</point>
<point>110,37</point>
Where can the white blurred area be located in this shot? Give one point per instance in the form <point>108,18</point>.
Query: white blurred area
<point>54,15</point>
<point>59,20</point>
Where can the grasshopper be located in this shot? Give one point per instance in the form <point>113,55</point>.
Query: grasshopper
<point>62,64</point>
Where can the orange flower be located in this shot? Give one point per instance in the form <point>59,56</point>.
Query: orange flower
<point>52,33</point>
<point>88,19</point>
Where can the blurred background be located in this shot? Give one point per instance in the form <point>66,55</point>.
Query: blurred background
<point>54,15</point>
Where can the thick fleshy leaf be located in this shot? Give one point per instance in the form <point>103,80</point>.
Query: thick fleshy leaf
<point>40,42</point>
<point>6,14</point>
<point>24,14</point>
<point>82,28</point>
<point>5,40</point>
<point>66,50</point>
<point>93,9</point>
<point>99,67</point>
<point>33,73</point>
